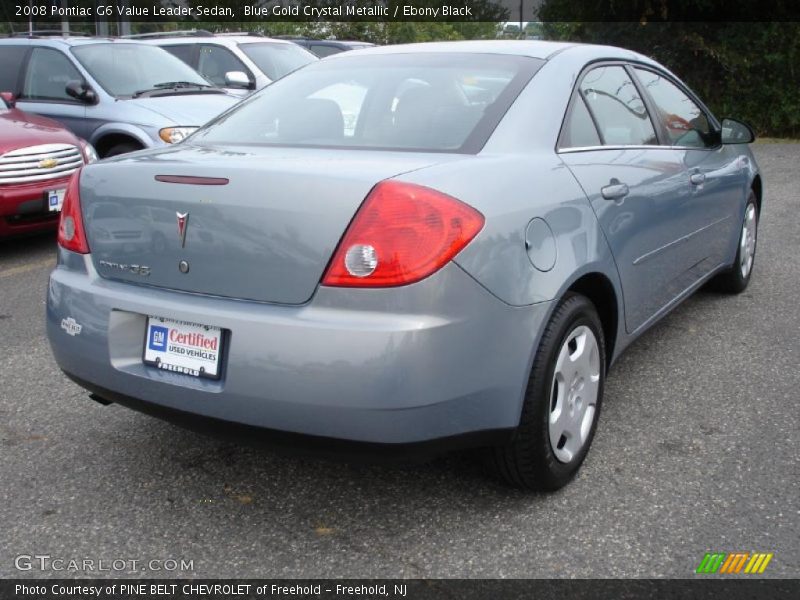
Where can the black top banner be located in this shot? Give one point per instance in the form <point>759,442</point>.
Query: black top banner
<point>242,11</point>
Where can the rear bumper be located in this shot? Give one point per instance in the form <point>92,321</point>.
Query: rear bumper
<point>439,359</point>
<point>304,444</point>
<point>23,208</point>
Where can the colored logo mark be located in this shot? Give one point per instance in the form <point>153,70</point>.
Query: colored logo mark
<point>734,563</point>
<point>158,338</point>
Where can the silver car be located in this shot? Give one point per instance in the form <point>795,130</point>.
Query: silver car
<point>240,63</point>
<point>457,263</point>
<point>118,95</point>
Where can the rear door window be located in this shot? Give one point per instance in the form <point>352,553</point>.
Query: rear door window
<point>618,109</point>
<point>11,58</point>
<point>47,76</point>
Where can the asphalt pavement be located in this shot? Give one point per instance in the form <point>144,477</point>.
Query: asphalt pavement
<point>698,450</point>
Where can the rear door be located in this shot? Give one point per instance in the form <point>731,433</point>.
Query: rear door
<point>638,189</point>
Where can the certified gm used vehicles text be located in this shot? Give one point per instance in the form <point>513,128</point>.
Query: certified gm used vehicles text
<point>458,267</point>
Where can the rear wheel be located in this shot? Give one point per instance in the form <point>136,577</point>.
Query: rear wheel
<point>562,401</point>
<point>736,279</point>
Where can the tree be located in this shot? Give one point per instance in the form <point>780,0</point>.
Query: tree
<point>747,70</point>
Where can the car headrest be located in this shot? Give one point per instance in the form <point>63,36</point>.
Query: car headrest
<point>313,119</point>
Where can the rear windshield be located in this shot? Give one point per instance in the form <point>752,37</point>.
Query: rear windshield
<point>425,102</point>
<point>277,60</point>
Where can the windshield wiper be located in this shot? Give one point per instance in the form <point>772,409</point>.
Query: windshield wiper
<point>171,85</point>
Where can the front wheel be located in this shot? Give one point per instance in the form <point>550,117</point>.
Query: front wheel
<point>562,401</point>
<point>122,148</point>
<point>735,280</point>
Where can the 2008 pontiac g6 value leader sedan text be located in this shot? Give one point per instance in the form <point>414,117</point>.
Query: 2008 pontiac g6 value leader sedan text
<point>407,248</point>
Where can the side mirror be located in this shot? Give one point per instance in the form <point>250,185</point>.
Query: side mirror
<point>736,132</point>
<point>238,79</point>
<point>9,99</point>
<point>81,92</point>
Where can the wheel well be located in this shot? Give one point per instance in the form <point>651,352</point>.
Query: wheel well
<point>107,142</point>
<point>757,188</point>
<point>600,291</point>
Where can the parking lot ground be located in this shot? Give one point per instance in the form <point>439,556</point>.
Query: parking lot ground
<point>698,450</point>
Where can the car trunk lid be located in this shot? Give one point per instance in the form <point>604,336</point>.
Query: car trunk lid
<point>259,224</point>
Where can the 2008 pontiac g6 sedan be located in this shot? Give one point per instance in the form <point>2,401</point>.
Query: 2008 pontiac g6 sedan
<point>406,249</point>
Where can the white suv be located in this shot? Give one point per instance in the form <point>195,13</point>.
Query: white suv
<point>239,62</point>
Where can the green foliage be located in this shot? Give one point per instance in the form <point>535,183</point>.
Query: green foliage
<point>749,71</point>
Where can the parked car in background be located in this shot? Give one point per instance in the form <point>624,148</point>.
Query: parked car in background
<point>323,48</point>
<point>239,62</point>
<point>119,95</point>
<point>37,158</point>
<point>458,268</point>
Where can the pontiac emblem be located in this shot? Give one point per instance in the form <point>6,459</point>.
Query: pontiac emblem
<point>183,223</point>
<point>48,163</point>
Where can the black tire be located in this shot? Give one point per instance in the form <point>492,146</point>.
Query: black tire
<point>122,148</point>
<point>529,461</point>
<point>732,281</point>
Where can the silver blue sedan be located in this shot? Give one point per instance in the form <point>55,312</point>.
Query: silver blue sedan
<point>406,250</point>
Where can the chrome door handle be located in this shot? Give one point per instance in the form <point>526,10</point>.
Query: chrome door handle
<point>615,190</point>
<point>697,178</point>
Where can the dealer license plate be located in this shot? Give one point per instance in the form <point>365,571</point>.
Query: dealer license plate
<point>183,347</point>
<point>55,200</point>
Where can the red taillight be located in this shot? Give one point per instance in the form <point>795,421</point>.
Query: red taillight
<point>401,234</point>
<point>71,235</point>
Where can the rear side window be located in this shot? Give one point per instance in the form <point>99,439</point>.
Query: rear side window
<point>579,130</point>
<point>617,107</point>
<point>10,61</point>
<point>47,76</point>
<point>686,124</point>
<point>435,102</point>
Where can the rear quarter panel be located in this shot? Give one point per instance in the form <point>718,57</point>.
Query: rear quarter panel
<point>510,192</point>
<point>518,176</point>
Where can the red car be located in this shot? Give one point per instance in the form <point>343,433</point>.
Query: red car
<point>37,157</point>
